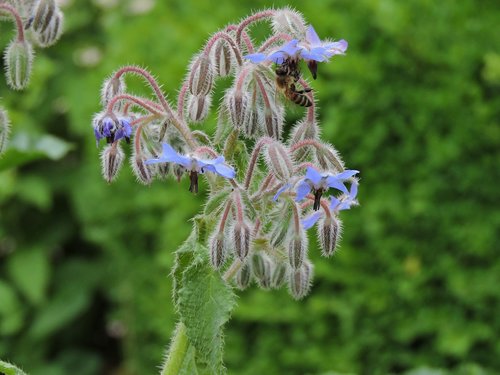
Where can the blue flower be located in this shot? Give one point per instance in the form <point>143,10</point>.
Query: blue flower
<point>319,183</point>
<point>194,165</point>
<point>112,129</point>
<point>287,51</point>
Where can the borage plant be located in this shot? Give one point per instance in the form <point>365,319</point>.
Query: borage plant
<point>264,191</point>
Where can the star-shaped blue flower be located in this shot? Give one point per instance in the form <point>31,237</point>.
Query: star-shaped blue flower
<point>285,52</point>
<point>194,165</point>
<point>112,129</point>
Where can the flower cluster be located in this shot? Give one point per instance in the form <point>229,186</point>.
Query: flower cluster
<point>264,191</point>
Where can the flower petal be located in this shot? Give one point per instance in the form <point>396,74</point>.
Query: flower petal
<point>225,170</point>
<point>336,183</point>
<point>281,190</point>
<point>309,221</point>
<point>312,37</point>
<point>169,155</point>
<point>256,57</point>
<point>302,190</point>
<point>346,174</point>
<point>313,175</point>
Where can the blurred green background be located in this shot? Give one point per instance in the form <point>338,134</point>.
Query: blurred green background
<point>415,288</point>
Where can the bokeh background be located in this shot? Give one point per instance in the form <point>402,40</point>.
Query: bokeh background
<point>415,288</point>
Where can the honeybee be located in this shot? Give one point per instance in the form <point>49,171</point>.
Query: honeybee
<point>287,75</point>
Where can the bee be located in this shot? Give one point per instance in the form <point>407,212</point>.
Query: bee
<point>287,76</point>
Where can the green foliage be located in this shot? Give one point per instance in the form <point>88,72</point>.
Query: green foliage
<point>414,105</point>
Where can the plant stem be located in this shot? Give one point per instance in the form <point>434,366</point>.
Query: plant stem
<point>177,351</point>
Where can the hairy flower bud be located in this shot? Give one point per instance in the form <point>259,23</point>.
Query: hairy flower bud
<point>272,120</point>
<point>51,34</point>
<point>279,275</point>
<point>299,282</point>
<point>329,158</point>
<point>217,250</point>
<point>144,172</point>
<point>329,230</point>
<point>243,276</point>
<point>198,106</point>
<point>288,21</point>
<point>111,159</point>
<point>223,57</point>
<point>18,61</point>
<point>4,130</point>
<point>251,127</point>
<point>241,239</point>
<point>279,161</point>
<point>262,268</point>
<point>236,103</point>
<point>43,13</point>
<point>201,76</point>
<point>111,87</point>
<point>303,130</point>
<point>297,249</point>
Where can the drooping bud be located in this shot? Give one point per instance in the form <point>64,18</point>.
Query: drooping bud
<point>329,158</point>
<point>279,275</point>
<point>297,248</point>
<point>198,106</point>
<point>262,269</point>
<point>223,57</point>
<point>43,13</point>
<point>201,76</point>
<point>329,231</point>
<point>241,238</point>
<point>288,21</point>
<point>243,276</point>
<point>299,282</point>
<point>4,130</point>
<point>304,129</point>
<point>51,34</point>
<point>251,127</point>
<point>144,172</point>
<point>272,121</point>
<point>236,103</point>
<point>217,249</point>
<point>111,87</point>
<point>18,61</point>
<point>111,159</point>
<point>278,161</point>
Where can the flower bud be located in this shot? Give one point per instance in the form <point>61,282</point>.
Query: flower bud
<point>243,276</point>
<point>303,130</point>
<point>4,130</point>
<point>198,106</point>
<point>51,34</point>
<point>329,159</point>
<point>143,172</point>
<point>329,230</point>
<point>236,103</point>
<point>111,87</point>
<point>223,57</point>
<point>272,120</point>
<point>251,127</point>
<point>299,282</point>
<point>297,249</point>
<point>288,21</point>
<point>217,250</point>
<point>262,267</point>
<point>241,239</point>
<point>278,161</point>
<point>201,76</point>
<point>112,159</point>
<point>43,13</point>
<point>279,275</point>
<point>18,61</point>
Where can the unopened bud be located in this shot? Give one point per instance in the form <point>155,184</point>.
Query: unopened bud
<point>329,231</point>
<point>300,280</point>
<point>272,120</point>
<point>236,103</point>
<point>329,158</point>
<point>279,275</point>
<point>241,237</point>
<point>252,122</point>
<point>4,130</point>
<point>243,276</point>
<point>303,130</point>
<point>51,34</point>
<point>288,21</point>
<point>43,12</point>
<point>262,268</point>
<point>217,250</point>
<point>223,57</point>
<point>201,76</point>
<point>112,159</point>
<point>198,106</point>
<point>297,249</point>
<point>142,171</point>
<point>18,60</point>
<point>279,161</point>
<point>111,87</point>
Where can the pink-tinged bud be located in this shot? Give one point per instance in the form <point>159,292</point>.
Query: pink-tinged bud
<point>143,172</point>
<point>198,106</point>
<point>262,268</point>
<point>278,161</point>
<point>329,231</point>
<point>217,250</point>
<point>201,76</point>
<point>288,21</point>
<point>236,103</point>
<point>243,276</point>
<point>112,160</point>
<point>272,121</point>
<point>329,158</point>
<point>303,130</point>
<point>223,57</point>
<point>4,130</point>
<point>18,61</point>
<point>279,275</point>
<point>111,87</point>
<point>241,238</point>
<point>52,33</point>
<point>300,280</point>
<point>297,248</point>
<point>251,127</point>
<point>43,12</point>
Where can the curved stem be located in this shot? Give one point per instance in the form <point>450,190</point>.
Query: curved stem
<point>17,19</point>
<point>177,352</point>
<point>147,105</point>
<point>253,159</point>
<point>246,38</point>
<point>229,40</point>
<point>254,18</point>
<point>275,38</point>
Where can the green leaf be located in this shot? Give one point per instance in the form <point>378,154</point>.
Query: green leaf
<point>9,369</point>
<point>30,271</point>
<point>26,147</point>
<point>11,313</point>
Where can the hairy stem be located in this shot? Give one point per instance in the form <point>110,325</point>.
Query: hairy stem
<point>177,351</point>
<point>17,18</point>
